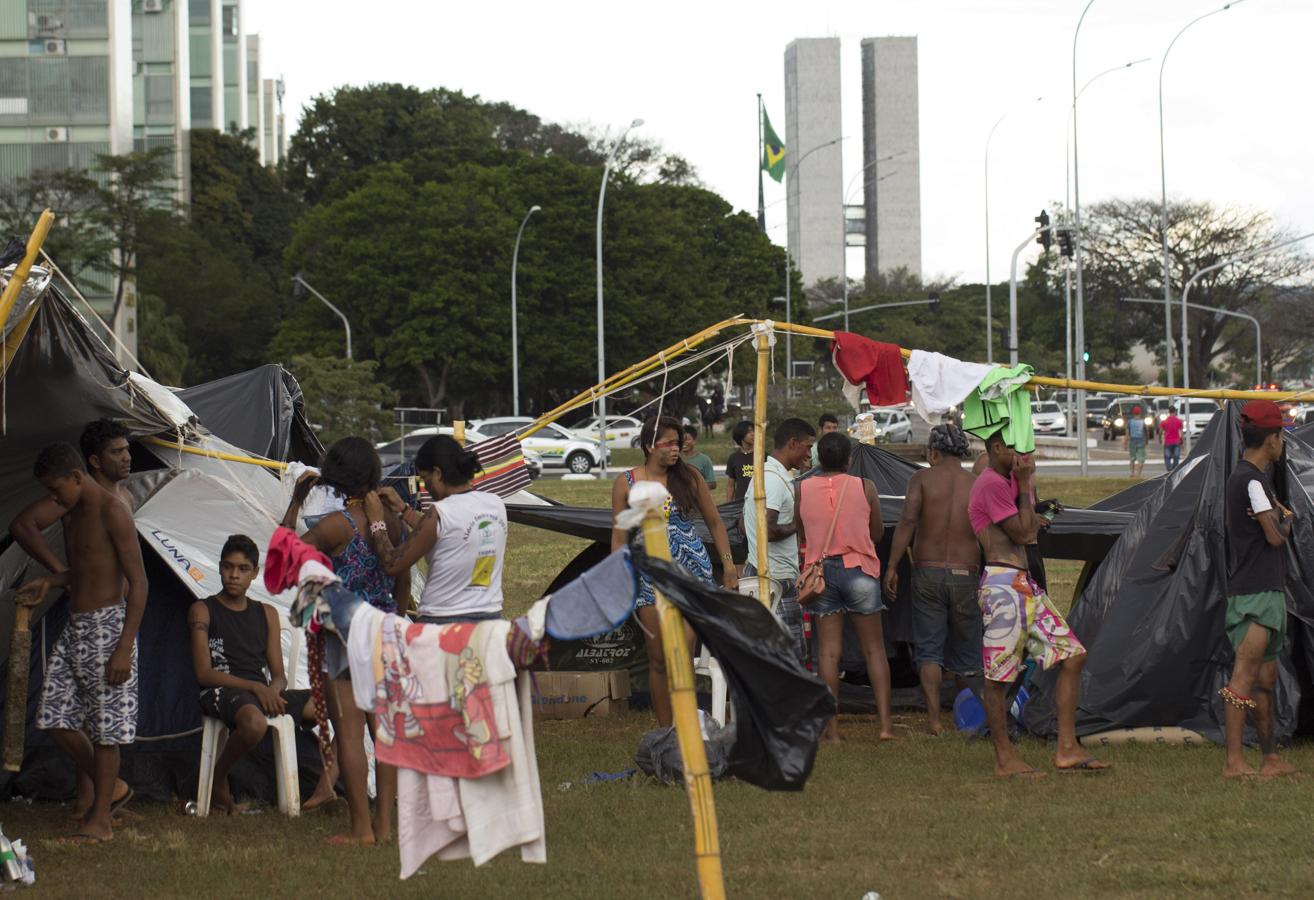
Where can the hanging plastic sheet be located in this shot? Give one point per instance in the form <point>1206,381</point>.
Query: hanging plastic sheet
<point>780,707</point>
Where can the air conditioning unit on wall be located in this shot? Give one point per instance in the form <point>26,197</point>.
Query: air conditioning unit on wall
<point>152,6</point>
<point>56,134</point>
<point>54,47</point>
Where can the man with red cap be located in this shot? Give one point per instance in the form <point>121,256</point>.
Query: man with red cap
<point>1257,526</point>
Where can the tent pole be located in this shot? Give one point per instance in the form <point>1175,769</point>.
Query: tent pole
<point>34,242</point>
<point>759,465</point>
<point>684,708</point>
<point>216,454</point>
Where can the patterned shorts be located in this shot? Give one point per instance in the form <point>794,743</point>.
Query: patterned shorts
<point>1020,621</point>
<point>75,696</point>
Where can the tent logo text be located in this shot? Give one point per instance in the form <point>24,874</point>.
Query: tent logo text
<point>176,555</point>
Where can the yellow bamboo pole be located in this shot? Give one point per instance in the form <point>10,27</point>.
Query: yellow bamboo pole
<point>759,468</point>
<point>633,373</point>
<point>684,709</point>
<point>34,242</point>
<point>217,454</point>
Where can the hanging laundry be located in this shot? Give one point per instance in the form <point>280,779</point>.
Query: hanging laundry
<point>941,382</point>
<point>877,366</point>
<point>1001,403</point>
<point>780,707</point>
<point>283,559</point>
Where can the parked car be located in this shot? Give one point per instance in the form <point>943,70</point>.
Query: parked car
<point>1047,417</point>
<point>1198,416</point>
<point>892,426</point>
<point>1095,407</point>
<point>622,431</point>
<point>1119,412</point>
<point>395,452</point>
<point>556,445</point>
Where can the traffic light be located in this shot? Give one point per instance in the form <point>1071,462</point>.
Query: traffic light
<point>1085,355</point>
<point>1046,237</point>
<point>935,303</point>
<point>1065,242</point>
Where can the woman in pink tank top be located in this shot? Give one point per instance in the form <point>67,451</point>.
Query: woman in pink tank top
<point>853,571</point>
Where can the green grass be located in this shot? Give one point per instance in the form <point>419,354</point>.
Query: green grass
<point>918,818</point>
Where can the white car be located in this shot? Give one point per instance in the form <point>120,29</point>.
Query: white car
<point>622,431</point>
<point>556,445</point>
<point>1199,416</point>
<point>400,450</point>
<point>892,426</point>
<point>1047,417</point>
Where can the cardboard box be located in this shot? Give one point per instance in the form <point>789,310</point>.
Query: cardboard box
<point>574,695</point>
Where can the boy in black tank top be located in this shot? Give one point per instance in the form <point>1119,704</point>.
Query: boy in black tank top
<point>239,665</point>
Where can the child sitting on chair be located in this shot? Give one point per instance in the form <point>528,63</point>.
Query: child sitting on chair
<point>239,665</point>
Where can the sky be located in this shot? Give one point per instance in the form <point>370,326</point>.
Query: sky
<point>1237,91</point>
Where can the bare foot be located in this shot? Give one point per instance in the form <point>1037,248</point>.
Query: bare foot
<point>350,840</point>
<point>323,796</point>
<point>221,799</point>
<point>1239,770</point>
<point>1275,766</point>
<point>888,735</point>
<point>935,728</point>
<point>122,794</point>
<point>1016,767</point>
<point>1076,760</point>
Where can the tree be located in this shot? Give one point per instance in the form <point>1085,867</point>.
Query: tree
<point>343,397</point>
<point>134,185</point>
<point>162,347</point>
<point>1124,258</point>
<point>78,242</point>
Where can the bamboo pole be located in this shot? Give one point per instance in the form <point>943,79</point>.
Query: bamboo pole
<point>20,646</point>
<point>684,708</point>
<point>759,468</point>
<point>216,454</point>
<point>34,242</point>
<point>634,372</point>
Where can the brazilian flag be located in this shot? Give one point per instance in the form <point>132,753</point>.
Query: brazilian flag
<point>773,150</point>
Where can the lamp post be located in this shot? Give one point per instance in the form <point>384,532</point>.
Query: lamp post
<point>990,325</point>
<point>1067,212</point>
<point>1218,310</point>
<point>844,225</point>
<point>602,363</point>
<point>1083,452</point>
<point>299,283</point>
<point>789,308</point>
<point>1012,288</point>
<point>515,342</point>
<point>1163,197</point>
<point>932,300</point>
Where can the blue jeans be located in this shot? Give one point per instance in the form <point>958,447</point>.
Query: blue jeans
<point>1172,456</point>
<point>848,590</point>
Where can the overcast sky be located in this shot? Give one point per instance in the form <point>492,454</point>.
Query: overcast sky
<point>1237,91</point>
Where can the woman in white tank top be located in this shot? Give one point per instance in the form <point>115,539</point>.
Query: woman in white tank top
<point>463,536</point>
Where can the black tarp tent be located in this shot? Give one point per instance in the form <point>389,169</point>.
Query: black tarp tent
<point>261,411</point>
<point>1151,614</point>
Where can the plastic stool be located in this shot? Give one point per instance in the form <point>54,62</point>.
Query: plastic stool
<point>214,734</point>
<point>706,664</point>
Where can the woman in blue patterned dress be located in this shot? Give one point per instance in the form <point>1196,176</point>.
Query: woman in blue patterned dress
<point>660,440</point>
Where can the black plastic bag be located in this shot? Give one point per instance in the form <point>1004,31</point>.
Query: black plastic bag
<point>780,707</point>
<point>659,752</point>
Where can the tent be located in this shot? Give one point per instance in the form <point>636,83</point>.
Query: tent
<point>1151,614</point>
<point>60,377</point>
<point>261,411</point>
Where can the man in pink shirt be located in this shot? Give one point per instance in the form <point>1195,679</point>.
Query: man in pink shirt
<point>1019,619</point>
<point>1172,440</point>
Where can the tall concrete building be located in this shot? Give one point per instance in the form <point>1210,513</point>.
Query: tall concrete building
<point>85,77</point>
<point>892,197</point>
<point>813,177</point>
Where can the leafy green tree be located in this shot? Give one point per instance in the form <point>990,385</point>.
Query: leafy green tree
<point>162,346</point>
<point>343,397</point>
<point>133,187</point>
<point>78,242</point>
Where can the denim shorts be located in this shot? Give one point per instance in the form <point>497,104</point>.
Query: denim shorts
<point>848,590</point>
<point>947,625</point>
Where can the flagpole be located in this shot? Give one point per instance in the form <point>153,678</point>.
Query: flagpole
<point>761,164</point>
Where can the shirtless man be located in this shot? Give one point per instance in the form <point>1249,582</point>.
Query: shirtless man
<point>89,699</point>
<point>946,562</point>
<point>104,446</point>
<point>1017,615</point>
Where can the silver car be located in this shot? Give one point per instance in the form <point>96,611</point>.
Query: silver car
<point>557,446</point>
<point>892,426</point>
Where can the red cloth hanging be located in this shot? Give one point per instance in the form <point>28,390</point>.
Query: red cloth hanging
<point>877,366</point>
<point>284,557</point>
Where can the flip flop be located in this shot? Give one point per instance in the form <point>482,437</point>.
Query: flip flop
<point>1030,773</point>
<point>1086,765</point>
<point>116,805</point>
<point>325,804</point>
<point>80,839</point>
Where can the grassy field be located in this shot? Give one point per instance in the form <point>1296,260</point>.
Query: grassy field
<point>920,817</point>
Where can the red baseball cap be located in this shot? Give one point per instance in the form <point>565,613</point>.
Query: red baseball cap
<point>1264,413</point>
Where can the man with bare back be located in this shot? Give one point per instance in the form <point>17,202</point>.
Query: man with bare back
<point>946,562</point>
<point>89,699</point>
<point>1018,617</point>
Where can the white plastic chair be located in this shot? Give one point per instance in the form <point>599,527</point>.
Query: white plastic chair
<point>722,709</point>
<point>214,734</point>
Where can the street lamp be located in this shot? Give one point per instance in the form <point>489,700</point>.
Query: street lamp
<point>844,224</point>
<point>1083,453</point>
<point>990,325</point>
<point>515,342</point>
<point>932,301</point>
<point>1163,196</point>
<point>1218,310</point>
<point>602,365</point>
<point>299,285</point>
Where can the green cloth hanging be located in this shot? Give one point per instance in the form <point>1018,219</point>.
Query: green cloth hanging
<point>1002,403</point>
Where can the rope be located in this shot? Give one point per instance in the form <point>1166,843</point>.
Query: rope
<point>109,325</point>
